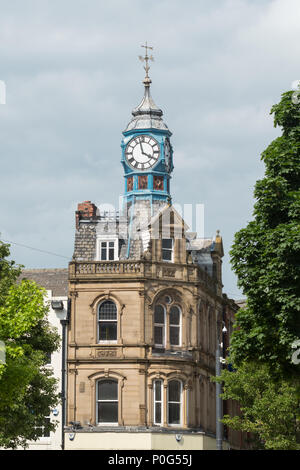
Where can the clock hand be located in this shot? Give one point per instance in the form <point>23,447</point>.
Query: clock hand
<point>144,153</point>
<point>141,145</point>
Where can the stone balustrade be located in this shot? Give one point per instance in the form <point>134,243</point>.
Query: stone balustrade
<point>140,269</point>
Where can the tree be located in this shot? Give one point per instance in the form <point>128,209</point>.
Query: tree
<point>266,258</point>
<point>266,254</point>
<point>268,407</point>
<point>27,388</point>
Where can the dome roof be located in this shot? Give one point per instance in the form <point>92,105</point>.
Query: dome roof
<point>147,115</point>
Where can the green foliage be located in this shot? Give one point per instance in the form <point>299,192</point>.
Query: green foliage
<point>266,254</point>
<point>269,407</point>
<point>9,272</point>
<point>266,258</point>
<point>27,388</point>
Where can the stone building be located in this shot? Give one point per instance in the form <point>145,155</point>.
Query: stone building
<point>147,310</point>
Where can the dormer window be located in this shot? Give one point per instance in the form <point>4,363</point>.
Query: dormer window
<point>167,249</point>
<point>107,250</point>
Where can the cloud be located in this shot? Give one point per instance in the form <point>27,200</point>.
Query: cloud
<point>72,79</point>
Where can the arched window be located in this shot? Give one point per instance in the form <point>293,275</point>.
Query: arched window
<point>167,322</point>
<point>175,326</point>
<point>107,402</point>
<point>174,402</point>
<point>159,326</point>
<point>158,402</point>
<point>107,321</point>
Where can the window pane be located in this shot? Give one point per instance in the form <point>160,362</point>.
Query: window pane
<point>159,314</point>
<point>167,243</point>
<point>174,390</point>
<point>107,331</point>
<point>111,244</point>
<point>48,358</point>
<point>103,254</point>
<point>46,428</point>
<point>174,316</point>
<point>107,390</point>
<point>174,413</point>
<point>43,429</point>
<point>157,413</point>
<point>39,431</point>
<point>167,255</point>
<point>103,244</point>
<point>158,335</point>
<point>157,390</point>
<point>108,412</point>
<point>108,311</point>
<point>111,254</point>
<point>174,335</point>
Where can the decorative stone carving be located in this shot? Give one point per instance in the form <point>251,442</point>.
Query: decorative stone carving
<point>106,352</point>
<point>169,272</point>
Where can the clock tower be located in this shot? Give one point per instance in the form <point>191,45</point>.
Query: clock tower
<point>146,310</point>
<point>147,155</point>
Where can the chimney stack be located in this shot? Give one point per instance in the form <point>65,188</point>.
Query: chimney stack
<point>85,210</point>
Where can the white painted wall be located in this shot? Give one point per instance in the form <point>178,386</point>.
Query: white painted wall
<point>54,441</point>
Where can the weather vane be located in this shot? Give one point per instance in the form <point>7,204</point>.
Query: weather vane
<point>146,58</point>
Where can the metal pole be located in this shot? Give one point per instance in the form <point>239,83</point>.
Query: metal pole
<point>63,392</point>
<point>64,324</point>
<point>219,425</point>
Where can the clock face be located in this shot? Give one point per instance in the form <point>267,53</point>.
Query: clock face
<point>142,152</point>
<point>167,151</point>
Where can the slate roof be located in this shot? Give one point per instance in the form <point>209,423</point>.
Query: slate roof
<point>55,280</point>
<point>241,303</point>
<point>205,244</point>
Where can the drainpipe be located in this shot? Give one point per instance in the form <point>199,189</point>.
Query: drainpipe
<point>130,227</point>
<point>219,402</point>
<point>64,324</point>
<point>219,425</point>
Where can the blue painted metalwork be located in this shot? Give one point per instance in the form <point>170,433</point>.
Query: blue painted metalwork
<point>148,112</point>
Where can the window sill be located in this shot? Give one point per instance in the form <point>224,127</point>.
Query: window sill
<point>113,341</point>
<point>41,441</point>
<point>102,425</point>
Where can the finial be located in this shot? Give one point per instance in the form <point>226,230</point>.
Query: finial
<point>146,58</point>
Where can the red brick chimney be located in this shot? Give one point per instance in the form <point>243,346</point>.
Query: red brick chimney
<point>85,210</point>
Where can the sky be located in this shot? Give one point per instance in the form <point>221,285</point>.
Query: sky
<point>72,77</point>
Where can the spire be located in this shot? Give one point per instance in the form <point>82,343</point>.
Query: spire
<point>147,115</point>
<point>146,58</point>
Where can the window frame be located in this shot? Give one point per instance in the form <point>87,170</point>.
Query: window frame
<point>155,402</point>
<point>175,326</point>
<point>180,404</point>
<point>167,249</point>
<point>106,423</point>
<point>42,438</point>
<point>106,341</point>
<point>160,325</point>
<point>115,241</point>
